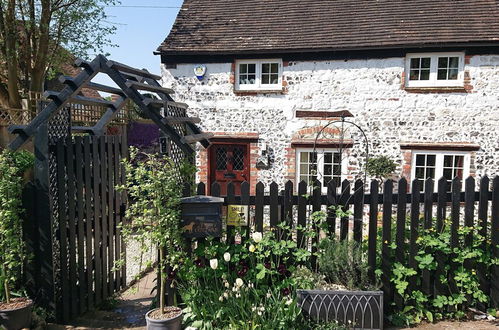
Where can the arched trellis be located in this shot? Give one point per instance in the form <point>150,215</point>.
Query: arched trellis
<point>343,121</point>
<point>72,207</point>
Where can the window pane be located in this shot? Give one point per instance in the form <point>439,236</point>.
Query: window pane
<point>425,63</point>
<point>274,79</point>
<point>243,68</point>
<point>414,75</point>
<point>454,62</point>
<point>430,173</point>
<point>328,157</point>
<point>425,75</point>
<point>304,157</point>
<point>274,68</point>
<point>415,63</point>
<point>265,79</point>
<point>448,161</point>
<point>448,173</point>
<point>453,74</point>
<point>265,68</point>
<point>442,74</point>
<point>337,158</point>
<point>313,157</point>
<point>251,68</point>
<point>326,180</point>
<point>420,160</point>
<point>430,160</point>
<point>328,169</point>
<point>458,161</point>
<point>303,169</point>
<point>337,170</point>
<point>442,62</point>
<point>419,172</point>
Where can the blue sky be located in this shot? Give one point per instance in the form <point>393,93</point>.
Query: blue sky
<point>140,30</point>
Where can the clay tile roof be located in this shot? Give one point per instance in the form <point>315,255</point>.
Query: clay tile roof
<point>243,26</point>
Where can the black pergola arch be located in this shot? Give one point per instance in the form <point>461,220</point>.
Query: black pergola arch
<point>131,83</point>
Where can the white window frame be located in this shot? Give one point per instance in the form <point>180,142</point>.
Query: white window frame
<point>320,163</point>
<point>439,164</point>
<point>258,80</point>
<point>433,81</point>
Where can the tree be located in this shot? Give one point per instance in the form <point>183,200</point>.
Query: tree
<point>38,36</point>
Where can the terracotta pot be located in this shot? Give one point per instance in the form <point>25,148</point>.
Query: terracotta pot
<point>174,323</point>
<point>15,319</point>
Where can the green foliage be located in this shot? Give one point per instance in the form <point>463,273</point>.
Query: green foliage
<point>12,248</point>
<point>154,214</point>
<point>24,160</point>
<point>458,266</point>
<point>380,167</point>
<point>344,263</point>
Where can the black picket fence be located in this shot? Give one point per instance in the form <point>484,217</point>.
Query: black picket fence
<point>410,210</point>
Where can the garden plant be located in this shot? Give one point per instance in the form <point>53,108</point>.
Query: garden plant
<point>152,184</point>
<point>15,310</point>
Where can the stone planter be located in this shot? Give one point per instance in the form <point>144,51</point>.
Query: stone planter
<point>174,323</point>
<point>16,318</point>
<point>356,309</point>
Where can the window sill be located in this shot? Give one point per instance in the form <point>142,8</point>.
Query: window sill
<point>257,91</point>
<point>423,90</point>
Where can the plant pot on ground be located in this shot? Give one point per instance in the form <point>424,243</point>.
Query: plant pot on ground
<point>15,313</point>
<point>343,292</point>
<point>170,319</point>
<point>153,186</point>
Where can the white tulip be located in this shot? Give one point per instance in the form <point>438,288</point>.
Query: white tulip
<point>221,298</point>
<point>289,302</point>
<point>257,237</point>
<point>227,256</point>
<point>214,263</point>
<point>239,282</point>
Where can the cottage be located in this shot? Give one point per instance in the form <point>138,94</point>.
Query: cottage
<point>421,78</point>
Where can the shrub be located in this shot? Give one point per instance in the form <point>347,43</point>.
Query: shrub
<point>343,263</point>
<point>380,167</point>
<point>12,248</point>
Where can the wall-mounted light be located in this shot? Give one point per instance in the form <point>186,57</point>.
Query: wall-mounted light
<point>264,160</point>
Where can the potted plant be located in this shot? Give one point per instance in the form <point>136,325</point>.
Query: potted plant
<point>348,297</point>
<point>15,312</point>
<point>154,186</point>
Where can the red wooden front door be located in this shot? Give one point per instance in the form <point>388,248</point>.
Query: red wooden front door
<point>229,163</point>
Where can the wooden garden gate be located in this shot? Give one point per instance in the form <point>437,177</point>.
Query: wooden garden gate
<point>73,210</point>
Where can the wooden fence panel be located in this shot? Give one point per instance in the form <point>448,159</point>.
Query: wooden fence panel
<point>494,279</point>
<point>386,258</point>
<point>245,200</point>
<point>358,210</point>
<point>230,200</point>
<point>274,205</point>
<point>441,287</point>
<point>483,207</point>
<point>331,204</point>
<point>104,218</point>
<point>80,224</point>
<point>71,221</point>
<point>373,229</point>
<point>427,283</point>
<point>302,213</point>
<point>89,237</point>
<point>344,201</point>
<point>64,305</point>
<point>259,206</point>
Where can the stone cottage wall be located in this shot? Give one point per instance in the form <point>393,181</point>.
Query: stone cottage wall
<point>372,90</point>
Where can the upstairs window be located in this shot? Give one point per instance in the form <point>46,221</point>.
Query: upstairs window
<point>436,165</point>
<point>259,75</point>
<point>435,70</point>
